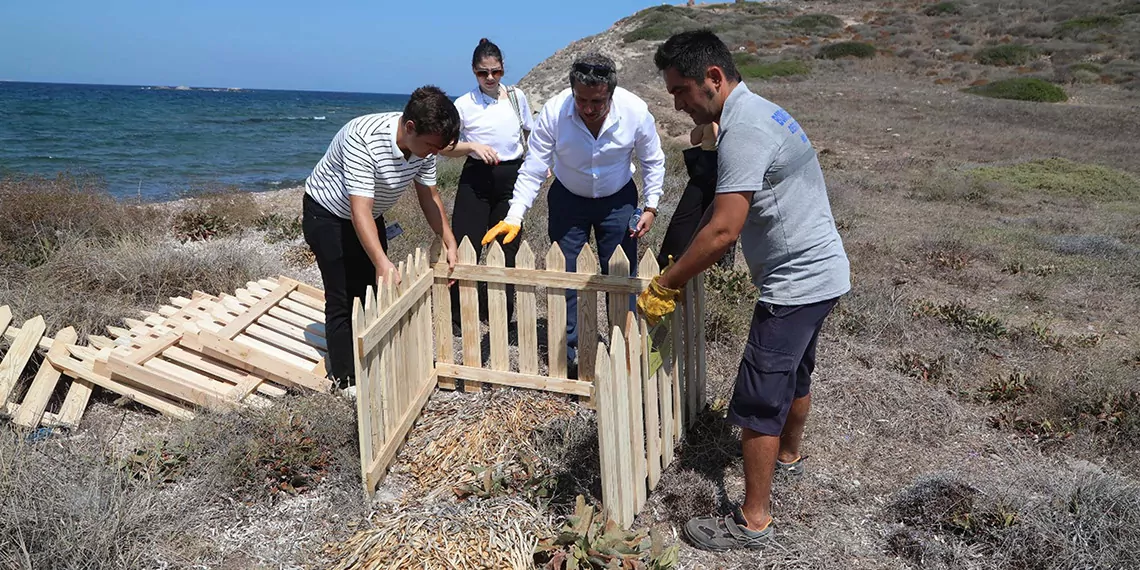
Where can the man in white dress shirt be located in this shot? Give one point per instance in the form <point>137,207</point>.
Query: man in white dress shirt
<point>589,135</point>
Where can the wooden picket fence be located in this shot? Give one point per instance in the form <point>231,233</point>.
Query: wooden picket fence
<point>642,413</point>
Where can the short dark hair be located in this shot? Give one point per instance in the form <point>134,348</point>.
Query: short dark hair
<point>433,113</point>
<point>593,69</point>
<point>692,53</point>
<point>486,48</point>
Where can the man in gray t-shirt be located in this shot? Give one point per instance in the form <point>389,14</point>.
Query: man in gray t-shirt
<point>771,194</point>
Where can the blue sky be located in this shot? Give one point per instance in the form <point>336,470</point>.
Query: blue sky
<point>381,46</point>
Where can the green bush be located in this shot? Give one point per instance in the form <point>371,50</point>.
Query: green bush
<point>1021,89</point>
<point>1077,25</point>
<point>651,33</point>
<point>1060,176</point>
<point>847,49</point>
<point>660,22</point>
<point>943,9</point>
<point>1008,54</point>
<point>816,22</point>
<point>751,67</point>
<point>1085,66</point>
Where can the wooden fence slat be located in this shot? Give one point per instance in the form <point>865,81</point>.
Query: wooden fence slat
<point>377,374</point>
<point>469,317</point>
<point>5,319</point>
<point>544,278</point>
<point>627,471</point>
<point>441,297</point>
<point>207,365</point>
<point>77,369</point>
<point>293,332</point>
<point>607,431</point>
<point>556,315</point>
<point>308,325</point>
<point>390,396</point>
<point>238,325</point>
<point>497,311</point>
<point>516,379</point>
<point>18,354</point>
<point>587,320</point>
<point>362,365</point>
<point>142,376</point>
<point>702,362</point>
<point>678,378</point>
<point>526,314</point>
<point>43,385</point>
<point>617,304</point>
<point>691,318</point>
<point>636,411</point>
<point>280,341</point>
<point>648,267</point>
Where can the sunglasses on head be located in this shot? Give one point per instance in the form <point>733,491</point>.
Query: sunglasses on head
<point>485,73</point>
<point>597,70</point>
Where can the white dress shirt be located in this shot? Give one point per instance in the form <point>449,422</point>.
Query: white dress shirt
<point>493,122</point>
<point>587,166</point>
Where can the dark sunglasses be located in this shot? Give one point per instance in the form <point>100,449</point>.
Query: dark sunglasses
<point>593,69</point>
<point>485,73</point>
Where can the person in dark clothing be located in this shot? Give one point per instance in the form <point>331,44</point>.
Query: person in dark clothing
<point>700,162</point>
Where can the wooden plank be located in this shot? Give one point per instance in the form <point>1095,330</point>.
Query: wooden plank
<point>556,315</point>
<point>607,433</point>
<point>497,311</point>
<point>625,463</point>
<point>304,288</point>
<point>278,340</point>
<point>385,397</point>
<point>305,311</point>
<point>308,325</point>
<point>701,379</point>
<point>262,307</point>
<point>617,304</point>
<point>205,383</point>
<point>469,317</point>
<point>294,332</point>
<point>23,346</point>
<point>385,456</point>
<point>153,348</point>
<point>393,313</point>
<point>149,379</point>
<point>376,364</point>
<point>441,297</point>
<point>362,367</point>
<point>240,378</point>
<point>12,332</point>
<point>43,385</point>
<point>636,412</point>
<point>5,319</point>
<point>517,379</point>
<point>678,376</point>
<point>82,369</point>
<point>587,319</point>
<point>252,359</point>
<point>99,341</point>
<point>544,278</point>
<point>526,314</point>
<point>690,328</point>
<point>666,377</point>
<point>652,406</point>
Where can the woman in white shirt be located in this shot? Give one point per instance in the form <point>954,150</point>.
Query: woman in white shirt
<point>495,121</point>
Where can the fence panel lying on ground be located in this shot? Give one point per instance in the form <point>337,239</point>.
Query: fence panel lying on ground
<point>28,407</point>
<point>647,385</point>
<point>395,372</point>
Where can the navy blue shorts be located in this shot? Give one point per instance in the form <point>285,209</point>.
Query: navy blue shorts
<point>777,364</point>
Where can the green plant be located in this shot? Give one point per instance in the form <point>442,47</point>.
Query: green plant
<point>921,367</point>
<point>731,297</point>
<point>199,225</point>
<point>1021,89</point>
<point>658,23</point>
<point>955,260</point>
<point>1085,66</point>
<point>959,316</point>
<point>1077,25</point>
<point>816,22</point>
<point>590,540</point>
<point>943,9</point>
<point>1045,335</point>
<point>751,67</point>
<point>1065,177</point>
<point>1007,388</point>
<point>1007,54</point>
<point>283,458</point>
<point>847,49</point>
<point>155,462</point>
<point>523,475</point>
<point>278,228</point>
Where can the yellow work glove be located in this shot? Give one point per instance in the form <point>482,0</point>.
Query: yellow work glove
<point>503,227</point>
<point>657,300</point>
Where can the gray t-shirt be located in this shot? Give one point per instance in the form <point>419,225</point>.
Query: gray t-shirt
<point>793,249</point>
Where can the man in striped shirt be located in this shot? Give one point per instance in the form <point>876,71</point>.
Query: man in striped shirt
<point>366,168</point>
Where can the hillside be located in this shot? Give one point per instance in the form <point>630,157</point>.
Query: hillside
<point>977,394</point>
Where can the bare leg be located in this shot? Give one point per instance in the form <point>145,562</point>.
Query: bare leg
<point>793,432</point>
<point>759,464</point>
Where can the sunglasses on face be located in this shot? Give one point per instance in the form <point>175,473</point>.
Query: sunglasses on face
<point>485,73</point>
<point>593,69</point>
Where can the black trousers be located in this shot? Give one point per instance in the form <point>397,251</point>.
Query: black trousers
<point>346,272</point>
<point>695,201</point>
<point>482,200</point>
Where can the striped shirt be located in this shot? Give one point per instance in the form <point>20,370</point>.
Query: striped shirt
<point>363,160</point>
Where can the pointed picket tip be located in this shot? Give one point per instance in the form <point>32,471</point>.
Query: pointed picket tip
<point>358,316</point>
<point>618,262</point>
<point>118,332</point>
<point>555,261</point>
<point>648,267</point>
<point>525,256</point>
<point>369,302</point>
<point>132,323</point>
<point>466,249</point>
<point>495,255</point>
<point>587,260</point>
<point>5,312</point>
<point>617,344</point>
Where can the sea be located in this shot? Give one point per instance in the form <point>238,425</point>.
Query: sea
<point>161,143</point>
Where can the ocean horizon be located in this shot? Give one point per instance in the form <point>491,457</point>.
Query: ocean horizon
<point>161,142</point>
